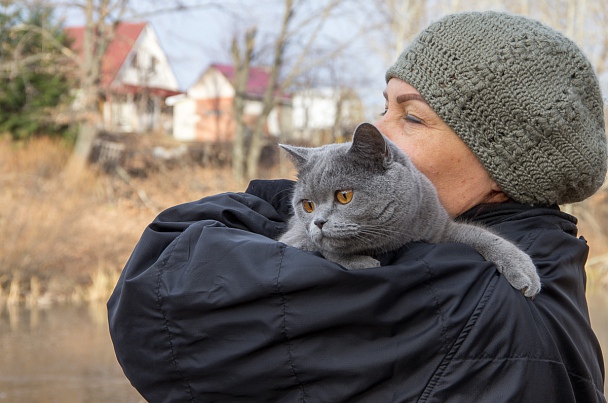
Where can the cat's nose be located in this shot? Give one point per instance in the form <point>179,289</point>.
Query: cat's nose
<point>319,222</point>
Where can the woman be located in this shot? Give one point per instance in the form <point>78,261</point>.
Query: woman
<point>505,117</point>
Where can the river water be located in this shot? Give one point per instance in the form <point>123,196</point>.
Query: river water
<point>61,354</point>
<point>64,354</point>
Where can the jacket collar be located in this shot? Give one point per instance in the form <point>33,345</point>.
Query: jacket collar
<point>491,214</point>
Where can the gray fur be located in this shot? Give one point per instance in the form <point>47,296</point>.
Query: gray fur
<point>392,204</point>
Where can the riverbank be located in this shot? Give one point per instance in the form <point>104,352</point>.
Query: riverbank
<point>66,237</point>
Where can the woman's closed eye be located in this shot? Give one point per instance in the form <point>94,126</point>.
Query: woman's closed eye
<point>408,117</point>
<point>385,110</point>
<point>412,118</point>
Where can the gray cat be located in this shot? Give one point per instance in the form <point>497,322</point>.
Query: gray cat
<point>357,199</point>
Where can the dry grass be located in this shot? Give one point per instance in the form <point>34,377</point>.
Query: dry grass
<point>75,235</point>
<point>68,239</point>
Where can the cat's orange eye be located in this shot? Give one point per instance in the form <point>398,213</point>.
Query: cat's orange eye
<point>344,196</point>
<point>308,205</point>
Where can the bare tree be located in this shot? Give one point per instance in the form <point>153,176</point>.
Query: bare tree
<point>298,36</point>
<point>269,101</point>
<point>599,11</point>
<point>242,60</point>
<point>101,19</point>
<point>396,22</point>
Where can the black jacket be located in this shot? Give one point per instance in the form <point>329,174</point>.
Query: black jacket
<point>210,308</point>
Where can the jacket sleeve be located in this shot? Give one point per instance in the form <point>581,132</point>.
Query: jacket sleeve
<point>140,309</point>
<point>209,307</point>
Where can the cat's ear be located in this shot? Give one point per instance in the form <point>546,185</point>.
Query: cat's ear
<point>370,144</point>
<point>299,155</point>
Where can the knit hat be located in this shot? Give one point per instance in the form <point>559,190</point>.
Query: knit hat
<point>522,97</point>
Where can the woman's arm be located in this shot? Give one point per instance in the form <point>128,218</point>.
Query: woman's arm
<point>209,307</point>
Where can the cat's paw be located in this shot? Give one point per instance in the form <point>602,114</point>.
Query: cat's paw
<point>353,262</point>
<point>521,273</point>
<point>362,262</point>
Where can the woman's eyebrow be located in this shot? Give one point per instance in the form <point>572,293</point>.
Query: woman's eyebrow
<point>409,97</point>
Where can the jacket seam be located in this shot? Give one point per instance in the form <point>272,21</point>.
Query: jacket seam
<point>166,323</point>
<point>447,360</point>
<point>287,343</point>
<point>516,358</point>
<point>536,359</point>
<point>436,304</point>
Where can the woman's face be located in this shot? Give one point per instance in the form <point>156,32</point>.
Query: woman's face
<point>460,179</point>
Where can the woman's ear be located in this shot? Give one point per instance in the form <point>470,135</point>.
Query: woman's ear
<point>496,195</point>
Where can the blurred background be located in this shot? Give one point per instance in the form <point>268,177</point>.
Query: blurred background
<point>113,110</point>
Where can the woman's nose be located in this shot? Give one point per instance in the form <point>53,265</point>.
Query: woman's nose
<point>380,124</point>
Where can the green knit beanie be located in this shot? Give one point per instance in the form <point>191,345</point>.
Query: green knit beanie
<point>522,97</point>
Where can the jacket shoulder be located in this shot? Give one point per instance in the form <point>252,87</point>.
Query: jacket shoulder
<point>521,341</point>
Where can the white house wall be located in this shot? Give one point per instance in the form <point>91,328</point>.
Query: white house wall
<point>184,120</point>
<point>253,108</point>
<point>146,49</point>
<point>274,123</point>
<point>121,113</point>
<point>212,84</point>
<point>314,110</point>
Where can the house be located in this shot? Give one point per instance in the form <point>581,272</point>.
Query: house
<point>136,79</point>
<point>205,113</point>
<point>325,115</point>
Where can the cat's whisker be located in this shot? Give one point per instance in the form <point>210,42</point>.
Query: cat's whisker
<point>384,231</point>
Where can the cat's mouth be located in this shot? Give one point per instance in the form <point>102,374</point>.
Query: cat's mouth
<point>320,238</point>
<point>330,240</point>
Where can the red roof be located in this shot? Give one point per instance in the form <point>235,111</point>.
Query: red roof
<point>125,36</point>
<point>256,83</point>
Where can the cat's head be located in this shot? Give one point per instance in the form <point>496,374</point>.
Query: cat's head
<point>356,197</point>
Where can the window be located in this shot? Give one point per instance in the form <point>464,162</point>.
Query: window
<point>152,67</point>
